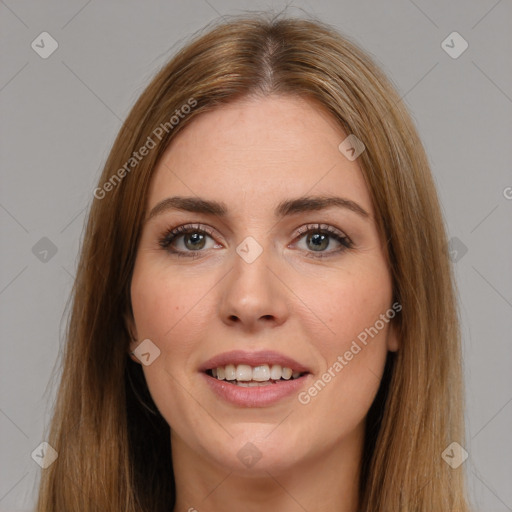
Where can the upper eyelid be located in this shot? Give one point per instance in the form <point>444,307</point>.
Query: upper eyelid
<point>186,228</point>
<point>320,226</point>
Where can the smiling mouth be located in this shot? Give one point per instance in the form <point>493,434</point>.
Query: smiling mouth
<point>245,375</point>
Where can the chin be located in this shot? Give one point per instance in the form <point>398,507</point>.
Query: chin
<point>256,453</point>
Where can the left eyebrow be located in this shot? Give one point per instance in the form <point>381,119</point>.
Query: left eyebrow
<point>283,209</point>
<point>315,203</point>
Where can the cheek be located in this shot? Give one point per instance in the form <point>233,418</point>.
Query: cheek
<point>165,305</point>
<point>174,310</point>
<point>351,344</point>
<point>347,306</point>
<point>169,310</point>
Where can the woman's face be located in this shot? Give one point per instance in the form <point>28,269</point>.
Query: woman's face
<point>274,264</point>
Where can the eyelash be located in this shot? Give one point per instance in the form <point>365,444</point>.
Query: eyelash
<point>170,236</point>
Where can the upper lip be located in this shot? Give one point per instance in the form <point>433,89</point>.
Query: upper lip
<point>253,359</point>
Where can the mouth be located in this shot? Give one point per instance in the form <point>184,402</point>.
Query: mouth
<point>254,379</point>
<point>245,375</point>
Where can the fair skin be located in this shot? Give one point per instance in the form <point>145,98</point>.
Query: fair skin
<point>251,155</point>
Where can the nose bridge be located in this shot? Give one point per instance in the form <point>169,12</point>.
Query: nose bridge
<point>252,293</point>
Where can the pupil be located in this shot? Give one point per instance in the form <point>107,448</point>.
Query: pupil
<point>191,241</point>
<point>320,241</point>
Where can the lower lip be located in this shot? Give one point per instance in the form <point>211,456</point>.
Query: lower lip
<point>256,396</point>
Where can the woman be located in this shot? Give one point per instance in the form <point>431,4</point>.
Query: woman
<point>264,313</point>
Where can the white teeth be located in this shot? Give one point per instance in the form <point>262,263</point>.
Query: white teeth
<point>230,372</point>
<point>243,373</point>
<point>246,375</point>
<point>287,373</point>
<point>261,373</point>
<point>275,372</point>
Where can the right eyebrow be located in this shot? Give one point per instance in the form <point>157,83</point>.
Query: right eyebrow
<point>189,204</point>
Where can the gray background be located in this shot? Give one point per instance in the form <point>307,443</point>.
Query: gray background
<point>59,117</point>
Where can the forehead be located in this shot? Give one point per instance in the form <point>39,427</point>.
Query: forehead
<point>261,150</point>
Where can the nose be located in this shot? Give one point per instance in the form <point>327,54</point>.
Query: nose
<point>252,296</point>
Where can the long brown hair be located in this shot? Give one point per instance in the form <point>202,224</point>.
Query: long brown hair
<point>113,445</point>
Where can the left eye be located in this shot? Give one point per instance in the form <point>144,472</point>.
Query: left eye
<point>321,239</point>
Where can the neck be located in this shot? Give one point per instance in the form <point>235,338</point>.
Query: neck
<point>327,481</point>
